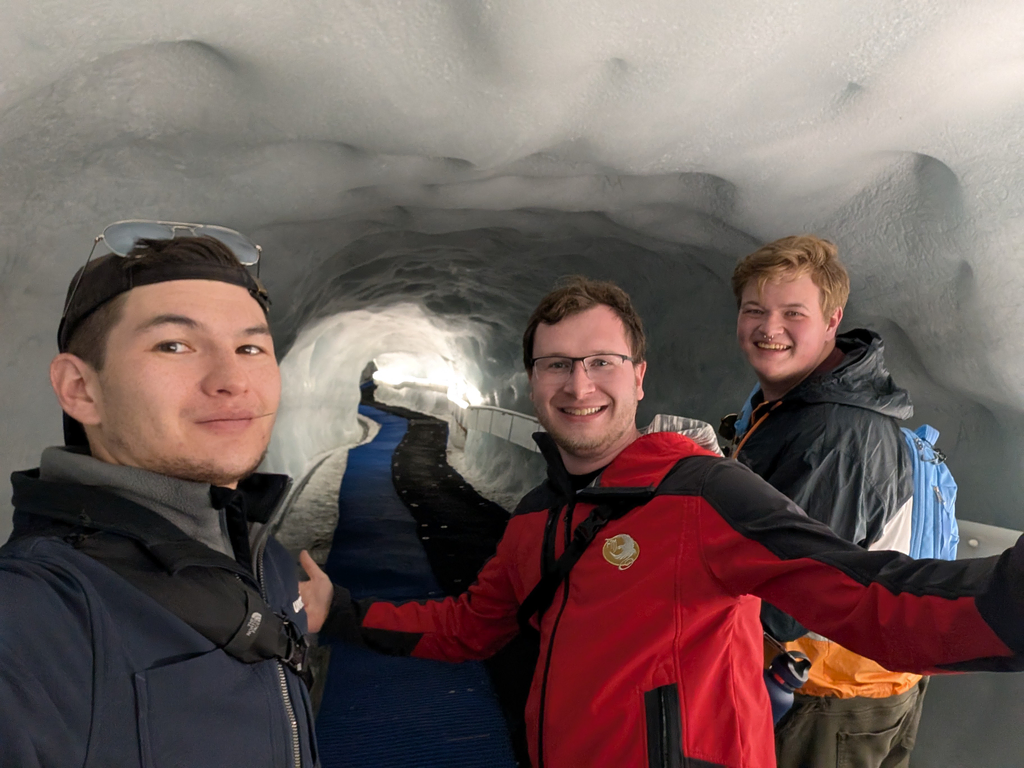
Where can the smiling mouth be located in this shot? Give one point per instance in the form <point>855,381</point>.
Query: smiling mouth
<point>583,411</point>
<point>235,418</point>
<point>771,347</point>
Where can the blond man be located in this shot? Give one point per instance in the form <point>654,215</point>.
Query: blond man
<point>823,429</point>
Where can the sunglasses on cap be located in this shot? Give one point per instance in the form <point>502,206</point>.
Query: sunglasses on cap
<point>122,236</point>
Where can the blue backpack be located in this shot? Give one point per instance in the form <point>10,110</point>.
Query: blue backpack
<point>933,531</point>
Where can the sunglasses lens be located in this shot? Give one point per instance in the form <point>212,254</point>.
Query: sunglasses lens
<point>244,250</point>
<point>121,236</point>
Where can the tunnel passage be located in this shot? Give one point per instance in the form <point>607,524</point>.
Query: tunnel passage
<point>397,711</point>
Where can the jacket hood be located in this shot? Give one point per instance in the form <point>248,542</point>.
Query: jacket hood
<point>860,380</point>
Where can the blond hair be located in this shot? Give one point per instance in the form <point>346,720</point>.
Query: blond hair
<point>791,258</point>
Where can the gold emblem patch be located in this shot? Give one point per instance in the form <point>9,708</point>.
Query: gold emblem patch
<point>621,551</point>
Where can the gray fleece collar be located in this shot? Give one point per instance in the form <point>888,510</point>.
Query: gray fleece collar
<point>183,503</point>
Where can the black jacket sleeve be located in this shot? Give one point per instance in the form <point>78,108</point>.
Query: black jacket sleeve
<point>920,616</point>
<point>344,622</point>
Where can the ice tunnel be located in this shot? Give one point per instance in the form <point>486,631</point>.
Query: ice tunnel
<point>418,174</point>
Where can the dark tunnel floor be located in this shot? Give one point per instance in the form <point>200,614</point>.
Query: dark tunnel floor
<point>424,533</point>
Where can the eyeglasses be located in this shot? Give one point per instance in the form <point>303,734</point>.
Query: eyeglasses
<point>122,236</point>
<point>596,367</point>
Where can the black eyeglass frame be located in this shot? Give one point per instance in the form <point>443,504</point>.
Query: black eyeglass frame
<point>581,360</point>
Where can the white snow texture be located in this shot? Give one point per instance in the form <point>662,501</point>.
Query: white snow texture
<point>419,172</point>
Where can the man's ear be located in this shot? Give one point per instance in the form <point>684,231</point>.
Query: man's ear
<point>639,369</point>
<point>833,323</point>
<point>76,385</point>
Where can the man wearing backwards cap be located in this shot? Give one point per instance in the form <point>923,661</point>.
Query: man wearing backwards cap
<point>146,616</point>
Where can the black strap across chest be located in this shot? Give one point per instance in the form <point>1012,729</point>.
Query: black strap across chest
<point>612,503</point>
<point>211,592</point>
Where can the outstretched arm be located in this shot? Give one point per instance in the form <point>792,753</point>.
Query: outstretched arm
<point>474,625</point>
<point>912,615</point>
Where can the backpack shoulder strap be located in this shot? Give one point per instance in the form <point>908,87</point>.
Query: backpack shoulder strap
<point>934,530</point>
<point>207,590</point>
<point>612,503</point>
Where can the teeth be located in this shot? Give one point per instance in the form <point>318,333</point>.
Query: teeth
<point>766,345</point>
<point>581,411</point>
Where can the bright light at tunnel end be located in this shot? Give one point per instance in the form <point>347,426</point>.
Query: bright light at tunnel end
<point>464,395</point>
<point>458,390</point>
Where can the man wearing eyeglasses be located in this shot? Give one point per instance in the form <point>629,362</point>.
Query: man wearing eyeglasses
<point>641,562</point>
<point>146,616</point>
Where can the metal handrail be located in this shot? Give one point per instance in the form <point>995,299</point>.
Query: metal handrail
<point>505,427</point>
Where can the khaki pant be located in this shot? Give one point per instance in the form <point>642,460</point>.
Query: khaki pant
<point>826,732</point>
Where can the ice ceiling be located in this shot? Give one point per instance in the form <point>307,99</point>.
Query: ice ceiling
<point>419,173</point>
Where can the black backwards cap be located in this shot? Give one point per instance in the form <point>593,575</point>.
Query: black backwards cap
<point>107,277</point>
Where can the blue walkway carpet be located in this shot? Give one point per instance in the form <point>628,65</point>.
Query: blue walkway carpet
<point>379,711</point>
<point>376,551</point>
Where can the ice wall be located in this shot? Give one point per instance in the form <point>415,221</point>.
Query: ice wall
<point>457,157</point>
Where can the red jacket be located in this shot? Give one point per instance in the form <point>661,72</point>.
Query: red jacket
<point>660,662</point>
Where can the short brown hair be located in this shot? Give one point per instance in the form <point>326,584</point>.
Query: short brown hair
<point>88,339</point>
<point>576,294</point>
<point>791,258</point>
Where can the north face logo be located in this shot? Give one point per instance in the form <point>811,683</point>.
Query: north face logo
<point>254,623</point>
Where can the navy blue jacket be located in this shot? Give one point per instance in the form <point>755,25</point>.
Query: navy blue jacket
<point>95,673</point>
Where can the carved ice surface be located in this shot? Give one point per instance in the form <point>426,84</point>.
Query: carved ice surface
<point>420,172</point>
